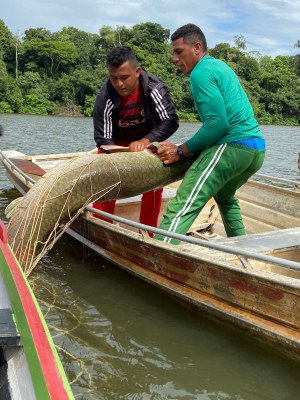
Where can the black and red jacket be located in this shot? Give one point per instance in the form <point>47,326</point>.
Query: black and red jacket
<point>160,112</point>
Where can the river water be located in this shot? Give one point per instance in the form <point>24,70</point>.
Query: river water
<point>118,337</point>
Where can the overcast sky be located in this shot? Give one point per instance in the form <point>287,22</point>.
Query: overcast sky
<point>271,27</point>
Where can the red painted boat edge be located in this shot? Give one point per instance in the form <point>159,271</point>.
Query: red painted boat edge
<point>54,376</point>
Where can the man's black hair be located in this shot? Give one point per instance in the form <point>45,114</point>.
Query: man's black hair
<point>191,34</point>
<point>119,55</point>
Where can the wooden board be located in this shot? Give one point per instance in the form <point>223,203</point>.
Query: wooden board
<point>28,167</point>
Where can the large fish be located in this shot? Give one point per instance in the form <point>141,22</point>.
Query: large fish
<point>60,195</point>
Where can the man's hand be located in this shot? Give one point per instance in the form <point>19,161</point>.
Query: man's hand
<point>139,145</point>
<point>167,153</point>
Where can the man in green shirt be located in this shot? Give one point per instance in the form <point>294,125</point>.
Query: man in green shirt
<point>228,148</point>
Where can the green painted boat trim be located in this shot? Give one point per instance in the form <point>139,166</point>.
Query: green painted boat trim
<point>37,375</point>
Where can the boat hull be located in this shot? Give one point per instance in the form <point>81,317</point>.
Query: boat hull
<point>259,304</point>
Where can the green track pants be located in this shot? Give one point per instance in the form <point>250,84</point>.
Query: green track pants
<point>218,172</point>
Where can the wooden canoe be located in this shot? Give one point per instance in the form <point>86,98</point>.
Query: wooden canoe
<point>250,282</point>
<point>29,364</point>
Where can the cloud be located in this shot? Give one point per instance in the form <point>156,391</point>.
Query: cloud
<point>270,27</point>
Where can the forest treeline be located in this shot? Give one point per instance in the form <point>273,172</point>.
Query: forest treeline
<point>46,72</point>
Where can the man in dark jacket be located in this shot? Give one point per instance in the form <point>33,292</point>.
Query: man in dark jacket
<point>133,108</point>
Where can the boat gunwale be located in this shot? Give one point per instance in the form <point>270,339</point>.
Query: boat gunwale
<point>180,249</point>
<point>196,241</point>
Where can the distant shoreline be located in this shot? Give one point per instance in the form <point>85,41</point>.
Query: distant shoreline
<point>189,119</point>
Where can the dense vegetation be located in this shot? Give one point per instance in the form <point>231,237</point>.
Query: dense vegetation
<point>59,72</point>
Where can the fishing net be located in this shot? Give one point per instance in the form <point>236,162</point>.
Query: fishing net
<point>47,210</point>
<point>59,196</point>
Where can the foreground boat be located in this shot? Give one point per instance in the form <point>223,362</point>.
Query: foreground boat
<point>251,282</point>
<point>29,364</point>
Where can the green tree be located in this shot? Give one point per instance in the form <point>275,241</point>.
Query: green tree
<point>295,60</point>
<point>280,88</point>
<point>248,68</point>
<point>45,72</point>
<point>109,38</point>
<point>84,84</point>
<point>34,104</point>
<point>86,45</point>
<point>11,95</point>
<point>150,37</point>
<point>49,52</point>
<point>7,47</point>
<point>240,42</point>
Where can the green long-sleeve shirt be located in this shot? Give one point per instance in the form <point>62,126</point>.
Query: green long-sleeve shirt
<point>223,106</point>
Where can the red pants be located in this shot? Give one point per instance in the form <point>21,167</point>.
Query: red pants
<point>150,207</point>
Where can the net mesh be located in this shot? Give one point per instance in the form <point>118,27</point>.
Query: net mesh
<point>30,220</point>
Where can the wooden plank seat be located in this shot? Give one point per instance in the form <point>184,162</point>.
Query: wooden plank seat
<point>266,241</point>
<point>28,167</point>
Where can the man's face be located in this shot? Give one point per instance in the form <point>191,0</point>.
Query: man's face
<point>185,55</point>
<point>125,78</point>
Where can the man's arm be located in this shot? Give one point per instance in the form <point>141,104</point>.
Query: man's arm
<point>166,114</point>
<point>102,119</point>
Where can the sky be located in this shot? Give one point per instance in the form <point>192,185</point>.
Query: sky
<point>270,27</point>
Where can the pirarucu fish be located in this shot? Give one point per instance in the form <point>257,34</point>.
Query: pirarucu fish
<point>61,194</point>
